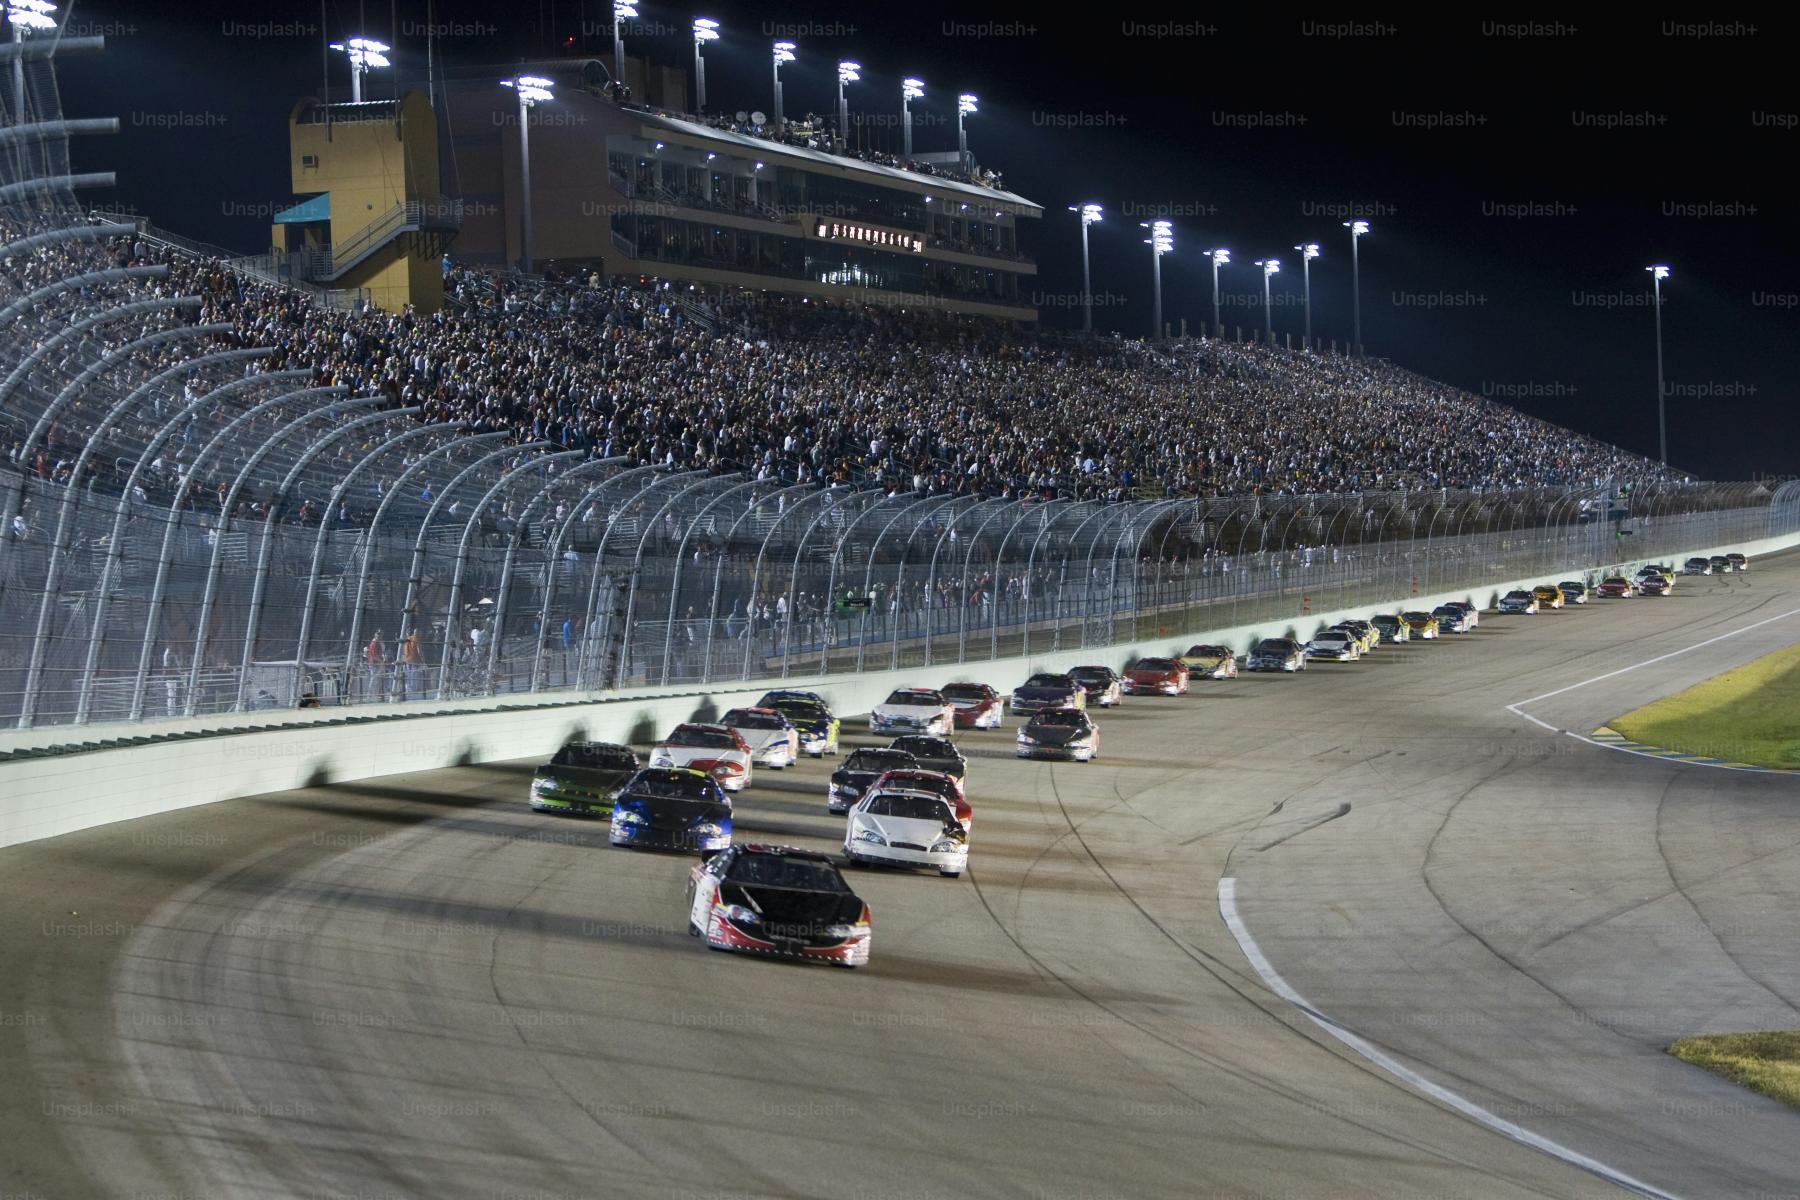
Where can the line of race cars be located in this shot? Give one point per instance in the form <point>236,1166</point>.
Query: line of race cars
<point>905,803</point>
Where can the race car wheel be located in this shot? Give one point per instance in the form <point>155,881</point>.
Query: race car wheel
<point>693,929</point>
<point>950,874</point>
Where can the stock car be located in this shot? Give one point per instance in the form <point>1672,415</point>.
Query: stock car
<point>1574,591</point>
<point>773,699</point>
<point>714,749</point>
<point>1615,587</point>
<point>813,723</point>
<point>1365,632</point>
<point>936,783</point>
<point>1518,601</point>
<point>1548,596</point>
<point>1047,689</point>
<point>780,901</point>
<point>1333,644</point>
<point>933,754</point>
<point>1392,628</point>
<point>858,773</point>
<point>581,777</point>
<point>1276,654</point>
<point>772,738</point>
<point>1100,685</point>
<point>1718,565</point>
<point>671,808</point>
<point>1697,566</point>
<point>1060,733</point>
<point>1654,585</point>
<point>914,710</point>
<point>1738,561</point>
<point>907,829</point>
<point>1422,624</point>
<point>976,705</point>
<point>1210,662</point>
<point>1452,619</point>
<point>1721,565</point>
<point>1156,676</point>
<point>1469,610</point>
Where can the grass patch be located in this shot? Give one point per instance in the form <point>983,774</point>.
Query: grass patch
<point>1767,1063</point>
<point>1750,715</point>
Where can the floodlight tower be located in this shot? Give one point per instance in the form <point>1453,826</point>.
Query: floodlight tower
<point>532,90</point>
<point>1220,257</point>
<point>365,54</point>
<point>910,89</point>
<point>848,72</point>
<point>705,30</point>
<point>965,104</point>
<point>1659,273</point>
<point>623,11</point>
<point>1090,214</point>
<point>784,53</point>
<point>1308,252</point>
<point>25,16</point>
<point>1357,230</point>
<point>1161,241</point>
<point>1270,266</point>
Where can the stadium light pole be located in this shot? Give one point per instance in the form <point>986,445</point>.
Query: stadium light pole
<point>1270,266</point>
<point>784,53</point>
<point>1160,241</point>
<point>25,16</point>
<point>848,72</point>
<point>1090,213</point>
<point>532,90</point>
<point>1220,257</point>
<point>1659,273</point>
<point>910,89</point>
<point>1357,230</point>
<point>365,54</point>
<point>1308,252</point>
<point>705,30</point>
<point>965,104</point>
<point>623,11</point>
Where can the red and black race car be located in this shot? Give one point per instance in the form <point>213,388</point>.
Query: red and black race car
<point>1156,677</point>
<point>977,705</point>
<point>780,901</point>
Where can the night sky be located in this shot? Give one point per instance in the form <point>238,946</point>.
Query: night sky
<point>1519,179</point>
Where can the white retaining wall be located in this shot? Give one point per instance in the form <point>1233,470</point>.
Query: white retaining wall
<point>43,797</point>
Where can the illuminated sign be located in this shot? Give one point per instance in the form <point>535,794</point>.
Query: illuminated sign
<point>845,231</point>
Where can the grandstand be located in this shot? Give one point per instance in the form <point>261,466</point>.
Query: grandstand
<point>221,494</point>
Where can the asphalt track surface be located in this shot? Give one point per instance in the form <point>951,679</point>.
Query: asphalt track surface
<point>417,987</point>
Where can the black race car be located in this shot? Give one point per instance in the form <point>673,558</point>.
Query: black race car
<point>780,901</point>
<point>671,808</point>
<point>581,778</point>
<point>932,753</point>
<point>862,768</point>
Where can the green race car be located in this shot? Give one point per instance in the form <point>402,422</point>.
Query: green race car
<point>582,777</point>
<point>818,729</point>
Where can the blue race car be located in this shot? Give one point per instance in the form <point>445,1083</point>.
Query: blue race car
<point>671,808</point>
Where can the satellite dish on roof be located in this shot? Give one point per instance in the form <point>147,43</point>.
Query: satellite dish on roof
<point>756,118</point>
<point>742,115</point>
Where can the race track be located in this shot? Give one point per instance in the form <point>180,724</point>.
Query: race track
<point>417,987</point>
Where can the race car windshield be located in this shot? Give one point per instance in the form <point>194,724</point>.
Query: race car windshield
<point>1518,595</point>
<point>929,747</point>
<point>1061,720</point>
<point>1044,680</point>
<point>664,786</point>
<point>776,870</point>
<point>1153,664</point>
<point>877,760</point>
<point>1278,646</point>
<point>965,691</point>
<point>913,700</point>
<point>910,808</point>
<point>708,739</point>
<point>595,757</point>
<point>802,710</point>
<point>744,719</point>
<point>923,781</point>
<point>1206,652</point>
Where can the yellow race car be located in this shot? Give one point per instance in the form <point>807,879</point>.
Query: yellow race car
<point>1420,624</point>
<point>1548,595</point>
<point>1210,662</point>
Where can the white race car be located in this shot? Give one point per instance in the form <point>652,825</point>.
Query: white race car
<point>914,710</point>
<point>911,829</point>
<point>714,749</point>
<point>772,738</point>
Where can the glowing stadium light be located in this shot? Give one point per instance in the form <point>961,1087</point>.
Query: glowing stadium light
<point>1161,241</point>
<point>1308,252</point>
<point>365,54</point>
<point>532,91</point>
<point>848,72</point>
<point>26,16</point>
<point>784,53</point>
<point>1658,273</point>
<point>1219,256</point>
<point>965,104</point>
<point>705,30</point>
<point>623,11</point>
<point>910,89</point>
<point>1270,266</point>
<point>1090,214</point>
<point>1357,230</point>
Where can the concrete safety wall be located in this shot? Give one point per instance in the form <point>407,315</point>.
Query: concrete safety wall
<point>45,796</point>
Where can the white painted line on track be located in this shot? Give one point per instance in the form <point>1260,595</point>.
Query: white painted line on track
<point>1515,707</point>
<point>1443,1095</point>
